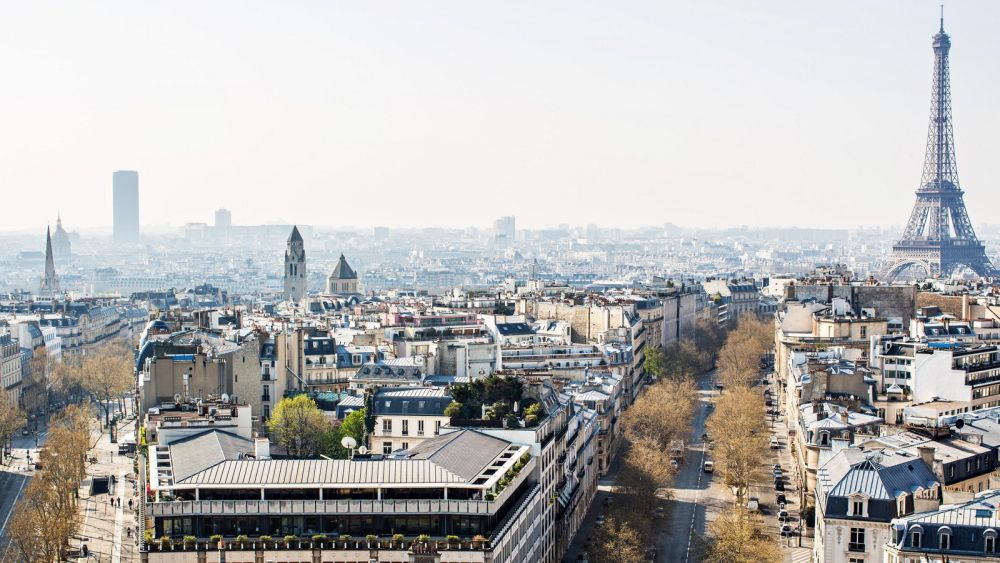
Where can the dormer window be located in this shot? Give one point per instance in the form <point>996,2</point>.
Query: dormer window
<point>824,438</point>
<point>858,506</point>
<point>916,534</point>
<point>989,541</point>
<point>944,538</point>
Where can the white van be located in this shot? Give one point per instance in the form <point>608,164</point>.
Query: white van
<point>774,443</point>
<point>708,467</point>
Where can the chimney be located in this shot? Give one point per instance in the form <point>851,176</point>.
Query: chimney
<point>927,455</point>
<point>844,416</point>
<point>262,448</point>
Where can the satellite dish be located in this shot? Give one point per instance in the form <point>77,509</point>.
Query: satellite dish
<point>362,450</point>
<point>225,398</point>
<point>348,442</point>
<point>177,397</point>
<point>959,423</point>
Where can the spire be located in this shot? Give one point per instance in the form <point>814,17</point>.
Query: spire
<point>942,19</point>
<point>50,283</point>
<point>295,236</point>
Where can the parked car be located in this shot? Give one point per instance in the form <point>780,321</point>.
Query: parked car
<point>777,474</point>
<point>753,505</point>
<point>776,466</point>
<point>782,515</point>
<point>708,466</point>
<point>779,486</point>
<point>781,499</point>
<point>775,444</point>
<point>786,530</point>
<point>674,463</point>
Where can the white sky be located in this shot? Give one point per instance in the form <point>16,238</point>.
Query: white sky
<point>454,113</point>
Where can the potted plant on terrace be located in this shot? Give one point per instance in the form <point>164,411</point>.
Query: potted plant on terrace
<point>345,538</point>
<point>423,538</point>
<point>189,542</point>
<point>266,540</point>
<point>318,539</point>
<point>453,541</point>
<point>397,540</point>
<point>241,539</point>
<point>164,543</point>
<point>289,539</point>
<point>477,541</point>
<point>371,538</point>
<point>216,539</point>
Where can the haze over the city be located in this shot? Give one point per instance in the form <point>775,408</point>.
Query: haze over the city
<point>452,113</point>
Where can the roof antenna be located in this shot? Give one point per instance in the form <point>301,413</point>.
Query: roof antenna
<point>942,18</point>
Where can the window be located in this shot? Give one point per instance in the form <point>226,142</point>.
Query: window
<point>951,471</point>
<point>420,428</point>
<point>991,542</point>
<point>387,447</point>
<point>855,560</point>
<point>387,426</point>
<point>857,542</point>
<point>857,507</point>
<point>405,445</point>
<point>437,427</point>
<point>944,540</point>
<point>864,331</point>
<point>915,538</point>
<point>824,438</point>
<point>406,427</point>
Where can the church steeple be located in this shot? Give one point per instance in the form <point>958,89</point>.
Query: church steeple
<point>50,282</point>
<point>295,267</point>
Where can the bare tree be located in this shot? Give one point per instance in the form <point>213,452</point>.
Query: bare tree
<point>741,437</point>
<point>107,374</point>
<point>736,537</point>
<point>12,419</point>
<point>618,542</point>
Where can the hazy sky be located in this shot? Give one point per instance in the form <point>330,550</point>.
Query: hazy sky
<point>454,113</point>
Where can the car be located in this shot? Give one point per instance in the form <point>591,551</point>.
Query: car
<point>708,467</point>
<point>776,466</point>
<point>711,445</point>
<point>704,437</point>
<point>720,386</point>
<point>775,444</point>
<point>781,499</point>
<point>753,505</point>
<point>25,432</point>
<point>658,512</point>
<point>782,515</point>
<point>608,500</point>
<point>786,530</point>
<point>600,520</point>
<point>674,463</point>
<point>779,486</point>
<point>777,474</point>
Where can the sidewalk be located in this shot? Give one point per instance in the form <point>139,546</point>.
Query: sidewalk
<point>104,529</point>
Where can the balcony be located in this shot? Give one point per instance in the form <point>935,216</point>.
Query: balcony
<point>320,507</point>
<point>856,547</point>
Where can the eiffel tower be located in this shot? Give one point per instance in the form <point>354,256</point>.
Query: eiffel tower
<point>939,235</point>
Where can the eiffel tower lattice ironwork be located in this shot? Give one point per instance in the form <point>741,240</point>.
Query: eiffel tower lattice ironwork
<point>939,235</point>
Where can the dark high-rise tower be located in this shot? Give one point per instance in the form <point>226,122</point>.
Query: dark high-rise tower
<point>939,235</point>
<point>126,203</point>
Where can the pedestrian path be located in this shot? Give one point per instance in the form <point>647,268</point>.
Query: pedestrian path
<point>798,555</point>
<point>116,550</point>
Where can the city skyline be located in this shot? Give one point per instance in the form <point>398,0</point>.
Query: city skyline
<point>769,97</point>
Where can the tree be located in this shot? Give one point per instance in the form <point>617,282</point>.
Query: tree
<point>107,374</point>
<point>741,437</point>
<point>330,446</point>
<point>653,363</point>
<point>354,426</point>
<point>12,419</point>
<point>297,424</point>
<point>736,537</point>
<point>617,542</point>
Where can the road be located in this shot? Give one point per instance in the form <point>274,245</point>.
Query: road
<point>14,477</point>
<point>696,496</point>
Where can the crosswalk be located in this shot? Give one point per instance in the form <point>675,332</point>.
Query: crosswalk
<point>798,555</point>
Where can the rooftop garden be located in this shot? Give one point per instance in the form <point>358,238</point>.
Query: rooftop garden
<point>494,398</point>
